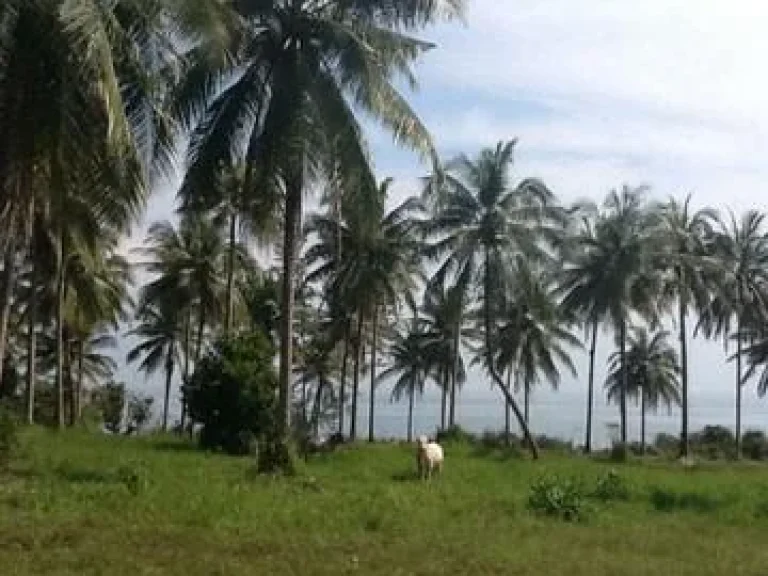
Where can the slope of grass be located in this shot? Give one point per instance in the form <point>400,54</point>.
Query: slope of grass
<point>83,504</point>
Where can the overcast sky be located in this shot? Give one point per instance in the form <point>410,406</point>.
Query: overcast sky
<point>670,93</point>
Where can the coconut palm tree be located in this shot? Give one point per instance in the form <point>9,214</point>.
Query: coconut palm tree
<point>533,339</point>
<point>653,369</point>
<point>411,366</point>
<point>159,346</point>
<point>686,254</point>
<point>443,313</point>
<point>481,221</point>
<point>741,250</point>
<point>608,274</point>
<point>281,100</point>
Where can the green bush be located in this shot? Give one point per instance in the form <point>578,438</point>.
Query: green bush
<point>754,445</point>
<point>134,477</point>
<point>611,486</point>
<point>619,453</point>
<point>275,457</point>
<point>455,434</point>
<point>556,498</point>
<point>233,394</point>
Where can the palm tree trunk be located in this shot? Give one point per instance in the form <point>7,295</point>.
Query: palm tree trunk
<point>80,374</point>
<point>32,341</point>
<point>315,415</point>
<point>372,399</point>
<point>71,383</point>
<point>507,413</point>
<point>343,389</point>
<point>624,381</point>
<point>684,442</point>
<point>168,378</point>
<point>738,389</point>
<point>356,379</point>
<point>9,283</point>
<point>491,368</point>
<point>642,422</point>
<point>293,198</point>
<point>455,373</point>
<point>527,402</point>
<point>60,277</point>
<point>411,394</point>
<point>185,376</point>
<point>444,402</point>
<point>200,335</point>
<point>591,389</point>
<point>230,297</point>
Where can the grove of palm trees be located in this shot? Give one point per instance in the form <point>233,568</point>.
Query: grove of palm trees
<point>260,105</point>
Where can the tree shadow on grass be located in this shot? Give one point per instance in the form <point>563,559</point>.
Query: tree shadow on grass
<point>80,475</point>
<point>406,476</point>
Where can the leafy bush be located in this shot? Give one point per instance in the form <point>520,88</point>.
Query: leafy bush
<point>275,457</point>
<point>754,445</point>
<point>111,401</point>
<point>563,499</point>
<point>714,443</point>
<point>454,434</point>
<point>233,394</point>
<point>666,443</point>
<point>552,444</point>
<point>669,501</point>
<point>611,486</point>
<point>619,453</point>
<point>139,410</point>
<point>9,436</point>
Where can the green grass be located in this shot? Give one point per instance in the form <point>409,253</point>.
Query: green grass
<point>82,504</point>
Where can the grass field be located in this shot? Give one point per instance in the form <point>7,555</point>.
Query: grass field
<point>81,504</point>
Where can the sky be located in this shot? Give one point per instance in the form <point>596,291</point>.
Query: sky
<point>599,93</point>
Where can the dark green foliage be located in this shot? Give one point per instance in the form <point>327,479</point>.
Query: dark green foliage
<point>666,443</point>
<point>275,457</point>
<point>9,437</point>
<point>558,498</point>
<point>454,433</point>
<point>139,410</point>
<point>111,400</point>
<point>233,394</point>
<point>714,443</point>
<point>665,500</point>
<point>754,445</point>
<point>611,486</point>
<point>619,452</point>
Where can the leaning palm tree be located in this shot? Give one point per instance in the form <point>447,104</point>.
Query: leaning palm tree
<point>481,221</point>
<point>653,370</point>
<point>159,334</point>
<point>686,254</point>
<point>741,251</point>
<point>533,339</point>
<point>281,100</point>
<point>608,274</point>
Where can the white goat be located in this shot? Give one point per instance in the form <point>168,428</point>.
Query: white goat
<point>429,457</point>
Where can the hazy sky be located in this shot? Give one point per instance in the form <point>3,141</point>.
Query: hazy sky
<point>670,93</point>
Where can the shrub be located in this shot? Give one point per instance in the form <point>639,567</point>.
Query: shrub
<point>233,394</point>
<point>669,501</point>
<point>9,436</point>
<point>454,433</point>
<point>275,457</point>
<point>611,486</point>
<point>619,453</point>
<point>754,445</point>
<point>666,443</point>
<point>563,499</point>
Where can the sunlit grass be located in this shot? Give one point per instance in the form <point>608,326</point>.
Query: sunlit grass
<point>82,504</point>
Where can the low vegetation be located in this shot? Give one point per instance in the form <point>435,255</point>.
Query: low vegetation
<point>76,503</point>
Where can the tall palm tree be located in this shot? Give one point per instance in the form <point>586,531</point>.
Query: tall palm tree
<point>411,366</point>
<point>481,221</point>
<point>741,250</point>
<point>686,254</point>
<point>608,274</point>
<point>159,344</point>
<point>533,339</point>
<point>281,99</point>
<point>444,316</point>
<point>653,369</point>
